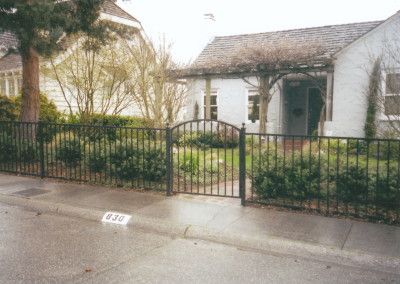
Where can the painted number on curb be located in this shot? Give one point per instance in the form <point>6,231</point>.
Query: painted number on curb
<point>116,218</point>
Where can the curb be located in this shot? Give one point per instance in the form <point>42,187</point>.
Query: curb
<point>268,244</point>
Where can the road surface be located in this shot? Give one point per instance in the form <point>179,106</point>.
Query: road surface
<point>37,247</point>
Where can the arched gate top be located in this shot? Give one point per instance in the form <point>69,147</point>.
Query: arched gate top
<point>217,122</point>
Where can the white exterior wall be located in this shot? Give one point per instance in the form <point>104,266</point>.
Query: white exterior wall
<point>351,79</point>
<point>232,102</point>
<point>51,88</point>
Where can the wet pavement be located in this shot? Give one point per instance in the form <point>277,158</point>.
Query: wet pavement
<point>224,215</point>
<point>48,248</point>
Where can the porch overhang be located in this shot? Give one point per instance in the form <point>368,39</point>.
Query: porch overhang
<point>248,71</point>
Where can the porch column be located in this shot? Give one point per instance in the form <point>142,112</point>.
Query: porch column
<point>208,99</point>
<point>6,82</point>
<point>329,96</point>
<point>16,85</point>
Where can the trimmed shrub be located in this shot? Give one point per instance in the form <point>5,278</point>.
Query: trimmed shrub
<point>8,149</point>
<point>387,190</point>
<point>352,184</point>
<point>125,161</point>
<point>154,167</point>
<point>69,152</point>
<point>97,161</point>
<point>297,179</point>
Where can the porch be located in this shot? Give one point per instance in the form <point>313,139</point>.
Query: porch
<point>303,105</point>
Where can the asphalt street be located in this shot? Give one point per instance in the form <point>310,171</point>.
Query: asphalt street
<point>47,248</point>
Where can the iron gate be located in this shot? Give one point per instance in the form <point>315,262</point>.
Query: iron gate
<point>206,157</point>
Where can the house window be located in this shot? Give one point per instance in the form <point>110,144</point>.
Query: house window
<point>253,105</point>
<point>392,94</point>
<point>213,105</point>
<point>11,87</point>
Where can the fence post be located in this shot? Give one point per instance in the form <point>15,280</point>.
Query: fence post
<point>242,165</point>
<point>168,161</point>
<point>41,149</point>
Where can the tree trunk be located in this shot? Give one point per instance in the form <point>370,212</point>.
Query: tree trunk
<point>264,101</point>
<point>30,86</point>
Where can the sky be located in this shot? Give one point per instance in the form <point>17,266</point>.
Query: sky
<point>183,24</point>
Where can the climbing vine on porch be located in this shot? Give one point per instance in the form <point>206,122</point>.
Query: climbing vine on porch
<point>370,127</point>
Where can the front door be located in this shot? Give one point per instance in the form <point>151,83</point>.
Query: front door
<point>296,103</point>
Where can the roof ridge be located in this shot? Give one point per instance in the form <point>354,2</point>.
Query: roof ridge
<point>297,29</point>
<point>127,14</point>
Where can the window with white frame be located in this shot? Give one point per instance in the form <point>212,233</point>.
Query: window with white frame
<point>392,94</point>
<point>253,105</point>
<point>10,86</point>
<point>213,105</point>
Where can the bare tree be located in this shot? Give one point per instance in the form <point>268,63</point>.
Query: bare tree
<point>269,63</point>
<point>157,91</point>
<point>93,80</point>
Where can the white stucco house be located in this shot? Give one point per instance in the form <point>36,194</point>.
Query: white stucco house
<point>346,54</point>
<point>11,64</point>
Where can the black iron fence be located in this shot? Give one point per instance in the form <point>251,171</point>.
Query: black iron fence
<point>205,158</point>
<point>330,175</point>
<point>119,156</point>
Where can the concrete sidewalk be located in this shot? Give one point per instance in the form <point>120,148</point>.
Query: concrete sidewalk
<point>221,220</point>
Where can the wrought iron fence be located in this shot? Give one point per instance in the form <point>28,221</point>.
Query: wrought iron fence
<point>205,158</point>
<point>330,175</point>
<point>119,156</point>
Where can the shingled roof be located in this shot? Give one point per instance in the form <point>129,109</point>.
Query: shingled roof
<point>7,41</point>
<point>11,61</point>
<point>111,8</point>
<point>330,39</point>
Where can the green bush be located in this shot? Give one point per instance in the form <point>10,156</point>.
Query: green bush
<point>12,150</point>
<point>8,149</point>
<point>111,120</point>
<point>154,167</point>
<point>28,152</point>
<point>69,152</point>
<point>127,169</point>
<point>97,160</point>
<point>48,110</point>
<point>387,150</point>
<point>125,161</point>
<point>387,190</point>
<point>48,113</point>
<point>189,164</point>
<point>218,139</point>
<point>111,129</point>
<point>352,184</point>
<point>297,178</point>
<point>8,110</point>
